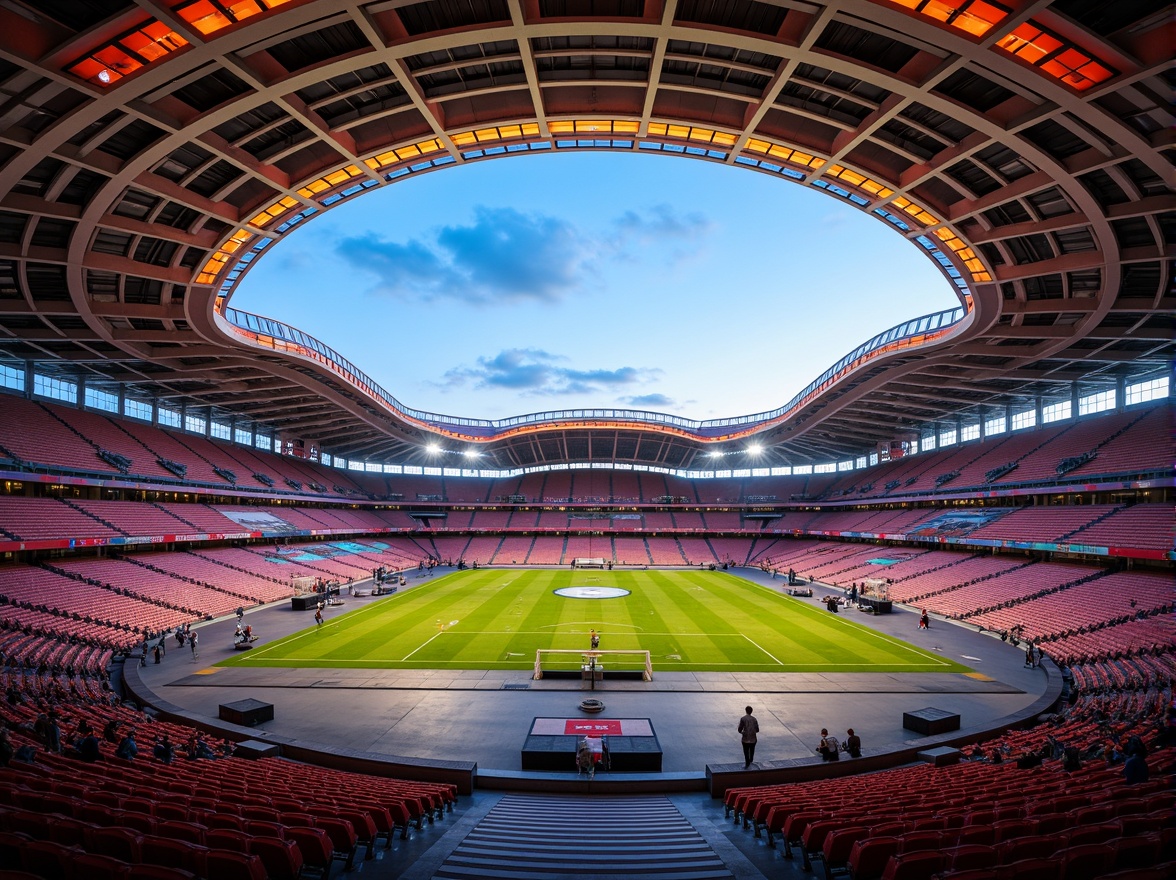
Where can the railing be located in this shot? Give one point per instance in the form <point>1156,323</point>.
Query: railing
<point>268,333</point>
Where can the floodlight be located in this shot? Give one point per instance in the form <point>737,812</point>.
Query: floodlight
<point>433,448</point>
<point>471,453</point>
<point>754,449</point>
<point>104,75</point>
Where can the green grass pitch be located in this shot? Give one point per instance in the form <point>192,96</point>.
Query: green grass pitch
<point>689,621</point>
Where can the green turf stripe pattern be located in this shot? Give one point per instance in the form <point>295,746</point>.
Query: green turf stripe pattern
<point>691,621</point>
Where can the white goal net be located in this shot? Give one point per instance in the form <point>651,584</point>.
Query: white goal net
<point>565,661</point>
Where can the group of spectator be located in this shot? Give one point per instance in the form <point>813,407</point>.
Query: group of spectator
<point>830,750</point>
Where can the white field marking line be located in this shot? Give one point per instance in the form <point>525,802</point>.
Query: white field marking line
<point>257,652</point>
<point>594,625</point>
<point>522,632</point>
<point>418,647</point>
<point>910,649</point>
<point>476,664</point>
<point>764,651</point>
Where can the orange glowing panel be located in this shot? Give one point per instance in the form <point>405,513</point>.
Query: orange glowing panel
<point>118,59</point>
<point>1029,43</point>
<point>975,17</point>
<point>94,71</point>
<point>939,10</point>
<point>274,211</point>
<point>979,18</point>
<point>241,9</point>
<point>203,16</point>
<point>153,41</point>
<point>1059,58</point>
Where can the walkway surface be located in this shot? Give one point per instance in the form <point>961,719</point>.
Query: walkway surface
<point>485,716</point>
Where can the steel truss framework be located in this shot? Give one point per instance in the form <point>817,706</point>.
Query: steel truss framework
<point>150,150</point>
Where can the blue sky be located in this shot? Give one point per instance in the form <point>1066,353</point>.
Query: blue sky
<point>593,280</point>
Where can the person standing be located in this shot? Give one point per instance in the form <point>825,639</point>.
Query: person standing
<point>192,639</point>
<point>318,616</point>
<point>594,639</point>
<point>748,728</point>
<point>924,620</point>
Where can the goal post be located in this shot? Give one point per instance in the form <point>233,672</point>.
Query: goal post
<point>570,660</point>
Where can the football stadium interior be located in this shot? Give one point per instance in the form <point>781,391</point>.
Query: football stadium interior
<point>534,637</point>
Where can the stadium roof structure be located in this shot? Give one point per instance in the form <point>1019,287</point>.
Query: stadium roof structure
<point>151,149</point>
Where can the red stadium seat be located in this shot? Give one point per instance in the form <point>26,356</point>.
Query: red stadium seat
<point>971,856</point>
<point>868,857</point>
<point>227,865</point>
<point>920,865</point>
<point>47,860</point>
<point>343,839</point>
<point>282,858</point>
<point>158,872</point>
<point>124,844</point>
<point>92,866</point>
<point>315,846</point>
<point>180,854</point>
<point>1087,861</point>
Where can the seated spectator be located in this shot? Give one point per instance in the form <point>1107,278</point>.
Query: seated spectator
<point>164,750</point>
<point>1135,769</point>
<point>127,748</point>
<point>827,748</point>
<point>80,733</point>
<point>198,749</point>
<point>853,744</point>
<point>1112,753</point>
<point>90,749</point>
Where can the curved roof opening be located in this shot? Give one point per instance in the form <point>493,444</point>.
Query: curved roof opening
<point>593,279</point>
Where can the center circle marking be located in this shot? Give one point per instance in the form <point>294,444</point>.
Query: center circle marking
<point>591,592</point>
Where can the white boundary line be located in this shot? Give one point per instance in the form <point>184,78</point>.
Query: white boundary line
<point>894,640</point>
<point>767,652</point>
<point>418,647</point>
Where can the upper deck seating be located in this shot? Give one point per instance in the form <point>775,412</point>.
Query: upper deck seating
<point>34,519</point>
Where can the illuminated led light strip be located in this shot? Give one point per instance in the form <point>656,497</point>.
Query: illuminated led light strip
<point>975,17</point>
<point>498,133</point>
<point>330,181</point>
<point>404,154</point>
<point>1055,55</point>
<point>865,184</point>
<point>690,133</point>
<point>210,16</point>
<point>916,210</point>
<point>274,211</point>
<point>964,253</point>
<point>219,260</point>
<point>137,48</point>
<point>593,126</point>
<point>784,154</point>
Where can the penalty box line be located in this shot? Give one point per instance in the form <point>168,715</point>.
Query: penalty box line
<point>883,637</point>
